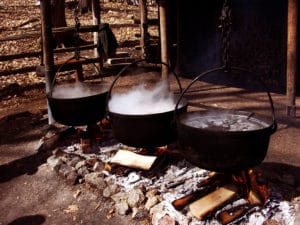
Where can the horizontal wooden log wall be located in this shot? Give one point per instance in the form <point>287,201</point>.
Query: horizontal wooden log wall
<point>83,29</point>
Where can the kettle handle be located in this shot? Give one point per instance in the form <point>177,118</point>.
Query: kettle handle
<point>63,65</point>
<point>133,64</point>
<point>226,69</point>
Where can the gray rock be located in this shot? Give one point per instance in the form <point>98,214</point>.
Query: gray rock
<point>151,202</point>
<point>122,208</point>
<point>72,178</point>
<point>98,167</point>
<point>82,171</point>
<point>54,162</point>
<point>110,190</point>
<point>135,197</point>
<point>96,180</point>
<point>65,170</point>
<point>73,162</point>
<point>139,214</point>
<point>120,197</point>
<point>80,164</point>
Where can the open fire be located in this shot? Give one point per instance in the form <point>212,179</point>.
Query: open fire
<point>187,194</point>
<point>220,189</point>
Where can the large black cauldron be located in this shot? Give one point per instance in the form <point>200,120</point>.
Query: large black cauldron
<point>224,140</point>
<point>80,110</point>
<point>144,130</point>
<point>86,108</point>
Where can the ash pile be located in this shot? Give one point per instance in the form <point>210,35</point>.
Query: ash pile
<point>157,185</point>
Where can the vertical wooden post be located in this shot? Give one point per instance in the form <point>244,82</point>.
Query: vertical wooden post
<point>47,40</point>
<point>164,37</point>
<point>143,25</point>
<point>97,21</point>
<point>291,57</point>
<point>179,36</point>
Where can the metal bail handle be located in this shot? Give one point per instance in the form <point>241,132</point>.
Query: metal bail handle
<point>64,64</point>
<point>228,71</point>
<point>133,64</point>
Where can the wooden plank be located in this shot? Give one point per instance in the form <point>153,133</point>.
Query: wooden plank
<point>209,203</point>
<point>15,71</point>
<point>75,63</point>
<point>38,53</point>
<point>120,55</point>
<point>19,56</point>
<point>133,160</point>
<point>72,49</point>
<point>207,186</point>
<point>82,29</point>
<point>21,36</point>
<point>112,61</point>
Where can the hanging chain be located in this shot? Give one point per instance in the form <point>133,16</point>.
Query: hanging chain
<point>146,33</point>
<point>225,25</point>
<point>77,26</point>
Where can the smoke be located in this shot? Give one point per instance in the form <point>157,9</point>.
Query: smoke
<point>75,90</point>
<point>140,100</point>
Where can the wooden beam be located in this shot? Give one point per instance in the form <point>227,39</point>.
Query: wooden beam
<point>19,55</point>
<point>164,37</point>
<point>143,25</point>
<point>291,57</point>
<point>82,29</point>
<point>37,54</point>
<point>96,11</point>
<point>47,49</point>
<point>19,70</point>
<point>21,36</point>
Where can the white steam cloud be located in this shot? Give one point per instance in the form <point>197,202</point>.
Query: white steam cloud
<point>75,90</point>
<point>140,101</point>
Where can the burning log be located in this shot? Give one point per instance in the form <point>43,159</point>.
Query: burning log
<point>212,201</point>
<point>254,199</point>
<point>182,202</point>
<point>259,189</point>
<point>255,192</point>
<point>133,160</point>
<point>228,216</point>
<point>207,185</point>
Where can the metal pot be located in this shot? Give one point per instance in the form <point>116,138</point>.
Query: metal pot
<point>144,130</point>
<point>211,140</point>
<point>80,110</point>
<point>148,130</point>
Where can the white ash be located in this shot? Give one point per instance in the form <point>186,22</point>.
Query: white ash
<point>104,154</point>
<point>193,175</point>
<point>178,180</point>
<point>165,208</point>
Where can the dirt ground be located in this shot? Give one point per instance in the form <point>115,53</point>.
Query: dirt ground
<point>31,193</point>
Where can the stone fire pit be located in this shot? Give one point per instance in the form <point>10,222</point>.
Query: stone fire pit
<point>148,194</point>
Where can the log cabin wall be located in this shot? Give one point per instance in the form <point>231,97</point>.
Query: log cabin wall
<point>258,38</point>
